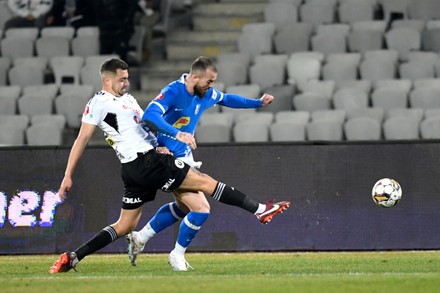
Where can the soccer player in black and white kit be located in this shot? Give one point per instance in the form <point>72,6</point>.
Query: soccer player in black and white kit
<point>143,170</point>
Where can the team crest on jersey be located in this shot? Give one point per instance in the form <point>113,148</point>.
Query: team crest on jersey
<point>159,96</point>
<point>214,95</point>
<point>182,121</point>
<point>197,109</point>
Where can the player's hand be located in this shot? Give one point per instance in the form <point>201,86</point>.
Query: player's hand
<point>65,187</point>
<point>187,139</point>
<point>266,99</point>
<point>163,150</point>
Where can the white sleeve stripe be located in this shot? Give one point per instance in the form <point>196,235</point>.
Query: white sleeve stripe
<point>159,105</point>
<point>221,96</point>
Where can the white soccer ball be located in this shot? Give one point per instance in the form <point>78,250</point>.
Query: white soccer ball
<point>386,192</point>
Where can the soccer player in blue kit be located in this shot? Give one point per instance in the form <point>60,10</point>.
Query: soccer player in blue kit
<point>176,111</point>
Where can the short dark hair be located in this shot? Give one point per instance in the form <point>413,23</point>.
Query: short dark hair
<point>112,65</point>
<point>203,63</point>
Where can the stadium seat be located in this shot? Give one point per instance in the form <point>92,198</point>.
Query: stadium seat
<point>255,118</point>
<point>377,114</point>
<point>8,99</point>
<point>322,87</point>
<point>416,70</point>
<point>296,117</point>
<point>85,46</point>
<point>418,25</point>
<point>267,74</point>
<point>232,73</point>
<point>365,40</point>
<point>317,13</point>
<point>47,90</point>
<point>280,13</point>
<point>72,107</point>
<point>246,132</point>
<point>301,69</point>
<point>30,33</point>
<point>17,47</point>
<point>24,75</point>
<point>334,115</point>
<point>293,37</point>
<point>389,98</point>
<point>329,44</point>
<point>11,135</point>
<point>375,70</point>
<point>223,118</point>
<point>362,128</point>
<point>425,98</point>
<point>52,46</point>
<point>430,128</point>
<point>341,29</point>
<point>44,135</point>
<point>213,133</point>
<point>57,120</point>
<point>403,40</point>
<point>352,11</point>
<point>324,131</point>
<point>395,9</point>
<point>415,113</point>
<point>350,98</point>
<point>235,57</point>
<point>5,64</point>
<point>58,31</point>
<point>67,69</point>
<point>401,128</point>
<point>34,104</point>
<point>311,102</point>
<point>283,98</point>
<point>287,131</point>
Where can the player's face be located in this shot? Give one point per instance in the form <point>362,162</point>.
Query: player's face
<point>120,84</point>
<point>205,82</point>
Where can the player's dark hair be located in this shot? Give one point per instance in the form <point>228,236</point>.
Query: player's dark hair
<point>203,63</point>
<point>112,65</point>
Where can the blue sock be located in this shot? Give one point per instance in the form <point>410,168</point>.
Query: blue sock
<point>167,215</point>
<point>189,227</point>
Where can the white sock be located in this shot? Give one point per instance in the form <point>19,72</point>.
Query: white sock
<point>146,233</point>
<point>179,249</point>
<point>261,208</point>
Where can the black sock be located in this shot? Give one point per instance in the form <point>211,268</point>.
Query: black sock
<point>232,196</point>
<point>100,240</point>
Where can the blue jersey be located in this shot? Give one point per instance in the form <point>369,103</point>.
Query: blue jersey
<point>175,109</point>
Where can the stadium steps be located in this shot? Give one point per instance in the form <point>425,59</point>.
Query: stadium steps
<point>215,29</point>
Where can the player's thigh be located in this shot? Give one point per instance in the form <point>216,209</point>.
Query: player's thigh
<point>194,201</point>
<point>197,181</point>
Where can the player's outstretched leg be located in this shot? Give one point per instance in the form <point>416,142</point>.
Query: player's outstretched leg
<point>271,209</point>
<point>64,263</point>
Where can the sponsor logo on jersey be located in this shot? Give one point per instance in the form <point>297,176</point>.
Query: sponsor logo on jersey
<point>159,96</point>
<point>179,163</point>
<point>131,200</point>
<point>182,121</point>
<point>168,184</point>
<point>86,110</point>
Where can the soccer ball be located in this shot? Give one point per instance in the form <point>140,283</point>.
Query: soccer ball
<point>386,192</point>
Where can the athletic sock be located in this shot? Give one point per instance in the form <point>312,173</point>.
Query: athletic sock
<point>100,240</point>
<point>189,227</point>
<point>231,196</point>
<point>167,215</point>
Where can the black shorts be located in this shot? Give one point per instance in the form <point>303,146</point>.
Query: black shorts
<point>148,173</point>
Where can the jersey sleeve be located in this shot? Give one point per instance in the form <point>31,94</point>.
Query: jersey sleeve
<point>236,101</point>
<point>93,112</point>
<point>153,115</point>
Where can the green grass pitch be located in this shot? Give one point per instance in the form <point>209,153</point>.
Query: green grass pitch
<point>397,271</point>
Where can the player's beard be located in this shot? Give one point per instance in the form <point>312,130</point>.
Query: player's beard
<point>200,92</point>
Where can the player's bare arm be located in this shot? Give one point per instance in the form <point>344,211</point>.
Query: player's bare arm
<point>85,133</point>
<point>163,150</point>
